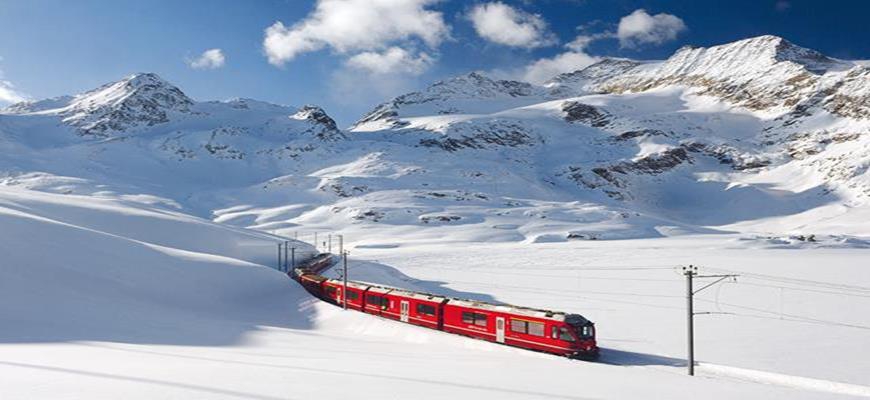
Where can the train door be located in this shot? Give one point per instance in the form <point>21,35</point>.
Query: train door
<point>405,308</point>
<point>499,329</point>
<point>338,297</point>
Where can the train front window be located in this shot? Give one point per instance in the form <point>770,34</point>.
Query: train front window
<point>565,334</point>
<point>586,332</point>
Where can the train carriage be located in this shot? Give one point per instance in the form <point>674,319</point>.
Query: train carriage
<point>312,283</point>
<point>377,302</point>
<point>542,330</point>
<point>355,293</point>
<point>418,308</point>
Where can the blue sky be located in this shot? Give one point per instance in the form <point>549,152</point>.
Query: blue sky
<point>348,55</point>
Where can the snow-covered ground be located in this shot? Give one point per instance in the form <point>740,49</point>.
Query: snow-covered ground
<point>105,298</point>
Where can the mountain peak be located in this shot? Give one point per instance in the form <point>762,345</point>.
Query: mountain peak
<point>583,81</point>
<point>760,51</point>
<point>323,126</point>
<point>449,96</point>
<point>146,79</point>
<point>477,85</point>
<point>142,99</point>
<point>144,84</point>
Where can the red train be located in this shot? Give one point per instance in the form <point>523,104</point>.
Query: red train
<point>553,332</point>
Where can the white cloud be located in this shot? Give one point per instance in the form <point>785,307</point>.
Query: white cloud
<point>575,58</point>
<point>394,60</point>
<point>503,24</point>
<point>8,94</point>
<point>542,70</point>
<point>209,59</point>
<point>355,25</point>
<point>640,28</point>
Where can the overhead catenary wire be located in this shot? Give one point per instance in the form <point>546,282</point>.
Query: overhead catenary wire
<point>796,281</point>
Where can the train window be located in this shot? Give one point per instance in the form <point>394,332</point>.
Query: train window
<point>565,335</point>
<point>330,291</point>
<point>379,301</point>
<point>527,327</point>
<point>425,309</point>
<point>536,329</point>
<point>473,318</point>
<point>351,295</point>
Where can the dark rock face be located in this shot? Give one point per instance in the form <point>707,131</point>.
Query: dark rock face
<point>385,112</point>
<point>729,155</point>
<point>613,179</point>
<point>639,133</point>
<point>584,113</point>
<point>654,164</point>
<point>504,134</point>
<point>323,126</point>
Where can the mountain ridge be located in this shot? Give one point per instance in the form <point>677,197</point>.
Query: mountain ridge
<point>619,149</point>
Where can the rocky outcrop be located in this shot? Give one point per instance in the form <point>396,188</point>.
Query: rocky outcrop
<point>584,113</point>
<point>482,136</point>
<point>322,127</point>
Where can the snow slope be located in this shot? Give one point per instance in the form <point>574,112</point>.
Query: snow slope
<point>94,313</point>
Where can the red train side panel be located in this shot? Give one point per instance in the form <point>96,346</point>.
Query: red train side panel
<point>355,293</point>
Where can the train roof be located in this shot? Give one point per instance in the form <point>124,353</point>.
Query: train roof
<point>558,316</point>
<point>402,292</point>
<point>350,284</point>
<point>313,277</point>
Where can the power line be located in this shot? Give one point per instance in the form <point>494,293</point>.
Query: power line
<point>795,317</point>
<point>797,281</point>
<point>799,289</point>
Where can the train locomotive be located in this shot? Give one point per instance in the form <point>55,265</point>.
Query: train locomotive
<point>554,332</point>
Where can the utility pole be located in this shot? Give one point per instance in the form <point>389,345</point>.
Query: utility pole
<point>691,272</point>
<point>286,245</point>
<point>279,256</point>
<point>344,292</point>
<point>329,248</point>
<point>292,258</point>
<point>341,244</point>
<point>315,240</point>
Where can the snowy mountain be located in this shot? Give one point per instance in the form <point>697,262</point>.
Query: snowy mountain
<point>759,136</point>
<point>470,93</point>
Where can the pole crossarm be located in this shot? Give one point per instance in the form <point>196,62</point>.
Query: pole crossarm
<point>721,278</point>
